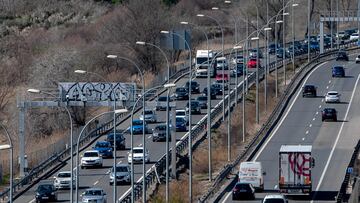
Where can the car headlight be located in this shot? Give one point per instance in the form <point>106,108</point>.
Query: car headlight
<point>37,194</point>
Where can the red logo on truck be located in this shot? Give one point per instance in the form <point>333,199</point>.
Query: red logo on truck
<point>297,164</point>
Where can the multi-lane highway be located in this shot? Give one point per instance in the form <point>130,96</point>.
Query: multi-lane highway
<point>100,177</point>
<point>332,142</point>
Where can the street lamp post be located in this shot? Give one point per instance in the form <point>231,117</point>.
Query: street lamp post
<point>222,50</point>
<point>208,99</point>
<point>116,111</point>
<point>37,91</point>
<point>114,124</point>
<point>143,130</point>
<point>284,44</point>
<point>4,147</point>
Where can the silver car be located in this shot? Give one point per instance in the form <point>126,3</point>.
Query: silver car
<point>94,195</point>
<point>123,174</point>
<point>150,116</point>
<point>332,96</point>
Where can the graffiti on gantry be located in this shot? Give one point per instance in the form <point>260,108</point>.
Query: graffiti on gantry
<point>98,91</point>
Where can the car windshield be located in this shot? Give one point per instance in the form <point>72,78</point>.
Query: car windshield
<point>309,88</point>
<point>46,187</point>
<point>102,145</point>
<point>64,175</point>
<point>333,93</point>
<point>119,136</point>
<point>242,186</point>
<point>93,193</point>
<point>137,122</point>
<point>178,119</point>
<point>329,110</point>
<point>274,200</point>
<point>337,68</point>
<point>202,98</point>
<point>138,151</point>
<point>91,154</point>
<point>181,90</point>
<point>149,112</point>
<point>180,113</point>
<point>252,60</point>
<point>162,99</point>
<point>120,169</point>
<point>192,84</point>
<point>160,127</point>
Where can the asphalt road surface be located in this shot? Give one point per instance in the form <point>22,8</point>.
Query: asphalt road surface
<point>332,142</point>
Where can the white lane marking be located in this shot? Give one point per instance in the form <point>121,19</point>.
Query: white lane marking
<point>319,106</point>
<point>322,100</point>
<point>96,182</point>
<point>307,132</point>
<point>107,172</point>
<point>287,112</point>
<point>313,119</point>
<point>337,139</point>
<point>317,113</point>
<point>329,81</point>
<point>310,125</point>
<point>119,162</point>
<point>150,135</point>
<point>327,87</point>
<point>32,201</point>
<point>303,138</point>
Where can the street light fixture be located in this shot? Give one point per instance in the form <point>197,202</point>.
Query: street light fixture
<point>227,2</point>
<point>5,146</point>
<point>80,71</point>
<point>267,29</point>
<point>214,8</point>
<point>37,91</point>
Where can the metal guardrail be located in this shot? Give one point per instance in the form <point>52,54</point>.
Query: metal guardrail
<point>53,161</point>
<point>266,129</point>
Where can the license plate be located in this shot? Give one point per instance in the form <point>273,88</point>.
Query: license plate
<point>44,197</point>
<point>294,191</point>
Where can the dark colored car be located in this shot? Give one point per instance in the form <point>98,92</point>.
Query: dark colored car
<point>195,87</point>
<point>159,133</point>
<point>338,71</point>
<point>120,140</point>
<point>342,56</point>
<point>272,48</point>
<point>213,92</point>
<point>218,88</point>
<point>309,91</point>
<point>243,191</point>
<point>202,101</point>
<point>280,53</point>
<point>195,107</point>
<point>45,192</point>
<point>105,149</point>
<point>161,103</point>
<point>180,124</point>
<point>329,113</point>
<point>238,71</point>
<point>181,93</point>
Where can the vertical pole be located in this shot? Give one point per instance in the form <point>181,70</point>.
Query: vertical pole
<point>228,117</point>
<point>190,126</point>
<point>144,142</point>
<point>11,173</point>
<point>257,82</point>
<point>114,152</point>
<point>247,51</point>
<point>293,37</point>
<point>331,24</point>
<point>284,45</point>
<point>308,27</point>
<point>244,95</point>
<point>22,138</point>
<point>167,146</point>
<point>276,69</point>
<point>337,25</point>
<point>266,55</point>
<point>173,144</point>
<point>358,23</point>
<point>132,154</point>
<point>209,109</point>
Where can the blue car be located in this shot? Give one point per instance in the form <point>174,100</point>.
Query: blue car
<point>180,124</point>
<point>137,127</point>
<point>105,149</point>
<point>338,71</point>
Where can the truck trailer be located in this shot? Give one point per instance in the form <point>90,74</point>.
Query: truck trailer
<point>295,164</point>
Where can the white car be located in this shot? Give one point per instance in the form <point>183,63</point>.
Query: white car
<point>63,180</point>
<point>354,36</point>
<point>150,116</point>
<point>138,155</point>
<point>91,158</point>
<point>123,174</point>
<point>332,96</point>
<point>275,199</point>
<point>183,114</point>
<point>94,195</point>
<point>357,59</point>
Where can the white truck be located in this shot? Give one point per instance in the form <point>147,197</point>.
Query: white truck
<point>201,64</point>
<point>252,172</point>
<point>295,164</point>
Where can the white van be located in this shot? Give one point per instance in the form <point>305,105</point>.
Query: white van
<point>251,172</point>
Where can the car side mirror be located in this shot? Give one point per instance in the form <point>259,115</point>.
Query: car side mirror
<point>264,173</point>
<point>312,162</point>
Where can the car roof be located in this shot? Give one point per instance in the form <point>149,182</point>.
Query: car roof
<point>180,110</point>
<point>274,196</point>
<point>139,148</point>
<point>327,109</point>
<point>338,66</point>
<point>329,92</point>
<point>309,85</point>
<point>64,172</point>
<point>91,151</point>
<point>103,141</point>
<point>94,189</point>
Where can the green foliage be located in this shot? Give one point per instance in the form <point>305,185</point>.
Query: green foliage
<point>170,2</point>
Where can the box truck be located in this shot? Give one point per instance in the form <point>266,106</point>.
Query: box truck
<point>252,172</point>
<point>201,63</point>
<point>295,164</point>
